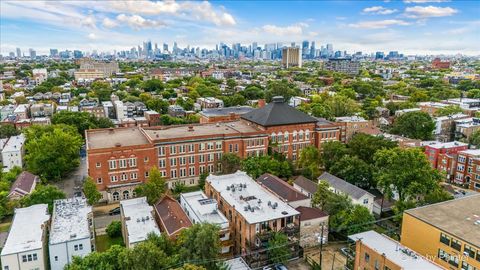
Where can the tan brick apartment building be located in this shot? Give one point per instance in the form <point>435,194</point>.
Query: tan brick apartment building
<point>119,159</point>
<point>253,213</point>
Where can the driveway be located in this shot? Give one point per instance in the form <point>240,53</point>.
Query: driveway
<point>74,181</point>
<point>101,222</point>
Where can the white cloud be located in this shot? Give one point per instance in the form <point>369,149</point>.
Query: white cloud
<point>283,31</point>
<point>189,10</point>
<point>92,36</point>
<point>138,22</point>
<point>424,1</point>
<point>429,11</point>
<point>109,23</point>
<point>379,10</point>
<point>378,24</point>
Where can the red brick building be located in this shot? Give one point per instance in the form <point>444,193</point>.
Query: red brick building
<point>438,153</point>
<point>119,159</point>
<point>437,63</point>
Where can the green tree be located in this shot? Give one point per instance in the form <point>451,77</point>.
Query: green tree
<point>278,252</point>
<point>81,120</point>
<point>202,178</point>
<point>415,125</point>
<point>157,104</point>
<point>354,170</point>
<point>406,172</point>
<point>436,195</point>
<point>154,188</point>
<point>7,131</point>
<point>43,194</point>
<point>256,166</point>
<point>91,192</point>
<point>108,260</point>
<point>342,105</point>
<point>200,242</point>
<point>332,152</point>
<point>475,138</point>
<point>309,161</point>
<point>114,229</point>
<point>364,146</point>
<point>449,110</point>
<point>153,85</point>
<point>230,163</point>
<point>352,220</point>
<point>52,151</point>
<point>328,201</point>
<point>281,88</point>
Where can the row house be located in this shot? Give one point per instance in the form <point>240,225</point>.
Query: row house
<point>464,128</point>
<point>254,214</point>
<point>138,221</point>
<point>351,125</point>
<point>439,154</point>
<point>464,165</point>
<point>445,126</point>
<point>201,209</point>
<point>475,179</point>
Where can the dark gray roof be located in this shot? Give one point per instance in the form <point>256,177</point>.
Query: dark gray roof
<point>342,185</point>
<point>307,184</point>
<point>278,113</point>
<point>226,111</point>
<point>281,188</point>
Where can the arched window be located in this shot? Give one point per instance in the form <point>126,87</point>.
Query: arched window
<point>307,134</point>
<point>126,195</point>
<point>273,137</point>
<point>285,136</point>
<point>300,135</point>
<point>294,135</point>
<point>116,196</point>
<point>280,137</point>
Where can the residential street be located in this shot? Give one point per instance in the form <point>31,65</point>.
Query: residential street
<point>73,182</point>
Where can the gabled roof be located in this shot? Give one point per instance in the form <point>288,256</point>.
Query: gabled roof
<point>278,113</point>
<point>342,185</point>
<point>309,213</point>
<point>24,183</point>
<point>307,184</point>
<point>171,215</point>
<point>280,188</point>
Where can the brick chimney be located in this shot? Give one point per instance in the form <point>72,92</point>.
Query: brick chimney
<point>261,103</point>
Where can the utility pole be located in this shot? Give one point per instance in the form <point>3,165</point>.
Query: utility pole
<point>321,247</point>
<point>333,261</point>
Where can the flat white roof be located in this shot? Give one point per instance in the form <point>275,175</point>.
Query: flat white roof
<point>70,220</point>
<point>237,264</point>
<point>26,232</point>
<point>438,145</point>
<point>251,200</point>
<point>394,251</point>
<point>15,143</point>
<point>205,209</point>
<point>350,119</point>
<point>470,152</point>
<point>139,220</point>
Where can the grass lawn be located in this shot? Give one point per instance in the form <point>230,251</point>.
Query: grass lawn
<point>103,242</point>
<point>4,227</point>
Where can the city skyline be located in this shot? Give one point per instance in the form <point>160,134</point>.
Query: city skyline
<point>410,26</point>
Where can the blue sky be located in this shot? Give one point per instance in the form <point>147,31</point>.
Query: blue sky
<point>409,26</point>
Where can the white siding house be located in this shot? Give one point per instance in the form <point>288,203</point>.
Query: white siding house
<point>71,231</point>
<point>25,246</point>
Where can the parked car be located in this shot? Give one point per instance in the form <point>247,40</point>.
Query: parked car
<point>267,268</point>
<point>114,211</point>
<point>348,253</point>
<point>280,267</point>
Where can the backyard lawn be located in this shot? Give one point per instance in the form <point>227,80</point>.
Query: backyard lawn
<point>104,242</point>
